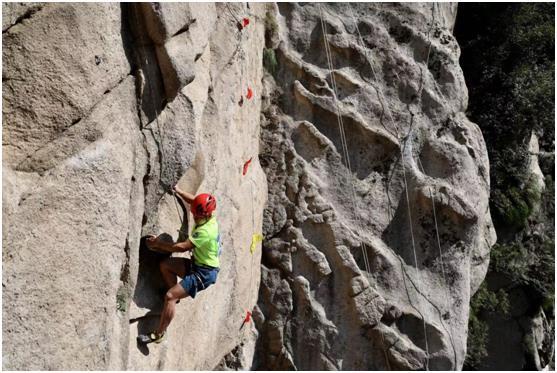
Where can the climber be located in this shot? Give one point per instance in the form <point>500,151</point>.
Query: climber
<point>197,273</point>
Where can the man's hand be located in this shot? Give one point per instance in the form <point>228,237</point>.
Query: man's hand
<point>188,198</point>
<point>152,242</point>
<point>155,244</point>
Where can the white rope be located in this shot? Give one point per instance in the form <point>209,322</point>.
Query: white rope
<point>402,159</point>
<point>380,93</point>
<point>344,144</point>
<point>410,129</point>
<point>414,248</point>
<point>438,239</point>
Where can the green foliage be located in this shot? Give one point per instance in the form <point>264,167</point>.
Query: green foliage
<point>271,32</point>
<point>548,304</point>
<point>270,23</point>
<point>511,72</point>
<point>476,349</point>
<point>483,301</point>
<point>122,297</point>
<point>270,61</point>
<point>508,60</point>
<point>514,205</point>
<point>487,300</point>
<point>534,268</point>
<point>509,63</point>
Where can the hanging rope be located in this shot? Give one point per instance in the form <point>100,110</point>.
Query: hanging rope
<point>447,295</point>
<point>389,116</point>
<point>436,232</point>
<point>227,6</point>
<point>378,90</point>
<point>410,129</point>
<point>344,145</point>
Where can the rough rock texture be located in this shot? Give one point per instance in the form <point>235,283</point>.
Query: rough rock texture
<point>534,169</point>
<point>105,106</point>
<point>401,97</point>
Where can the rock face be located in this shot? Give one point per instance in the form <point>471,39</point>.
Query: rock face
<point>375,235</point>
<point>376,238</point>
<point>105,107</point>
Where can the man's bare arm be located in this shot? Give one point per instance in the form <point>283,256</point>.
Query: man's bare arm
<point>178,247</point>
<point>187,197</point>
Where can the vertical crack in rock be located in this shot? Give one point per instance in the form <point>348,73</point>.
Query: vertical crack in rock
<point>150,98</point>
<point>142,55</point>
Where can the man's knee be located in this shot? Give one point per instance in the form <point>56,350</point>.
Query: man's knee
<point>170,297</point>
<point>175,293</point>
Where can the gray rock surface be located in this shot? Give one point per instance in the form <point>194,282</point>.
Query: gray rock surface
<point>401,97</point>
<point>105,106</point>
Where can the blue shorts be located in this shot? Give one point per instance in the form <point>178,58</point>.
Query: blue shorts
<point>199,279</point>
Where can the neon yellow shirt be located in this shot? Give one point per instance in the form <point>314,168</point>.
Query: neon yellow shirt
<point>205,237</point>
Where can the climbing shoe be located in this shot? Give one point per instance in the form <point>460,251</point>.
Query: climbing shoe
<point>150,338</point>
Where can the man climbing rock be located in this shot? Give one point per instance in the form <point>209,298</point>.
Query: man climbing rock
<point>197,273</point>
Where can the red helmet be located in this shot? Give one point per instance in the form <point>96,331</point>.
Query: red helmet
<point>203,205</point>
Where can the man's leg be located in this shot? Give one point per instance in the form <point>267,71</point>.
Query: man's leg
<point>172,267</point>
<point>174,294</point>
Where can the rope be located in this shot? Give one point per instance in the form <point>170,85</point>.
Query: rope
<point>181,232</point>
<point>379,93</point>
<point>389,116</point>
<point>388,363</point>
<point>344,144</point>
<point>410,129</point>
<point>447,295</point>
<point>436,230</point>
<point>414,246</point>
<point>227,6</point>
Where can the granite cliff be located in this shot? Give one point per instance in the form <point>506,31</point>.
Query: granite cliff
<point>376,232</point>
